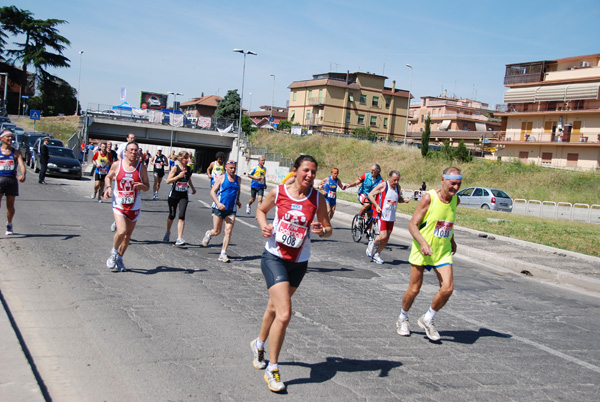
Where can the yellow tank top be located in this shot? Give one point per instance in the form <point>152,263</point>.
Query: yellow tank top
<point>437,227</point>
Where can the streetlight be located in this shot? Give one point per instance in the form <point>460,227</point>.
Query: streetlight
<point>250,108</point>
<point>173,117</point>
<point>408,105</point>
<point>79,84</point>
<point>237,159</point>
<point>272,100</point>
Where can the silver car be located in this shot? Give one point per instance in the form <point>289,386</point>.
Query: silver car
<point>485,198</point>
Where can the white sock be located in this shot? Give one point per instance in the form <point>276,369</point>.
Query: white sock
<point>259,344</point>
<point>403,315</point>
<point>272,367</point>
<point>223,252</point>
<point>114,251</point>
<point>429,315</point>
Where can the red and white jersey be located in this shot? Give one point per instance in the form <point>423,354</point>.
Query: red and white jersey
<point>387,200</point>
<point>291,226</point>
<point>125,197</point>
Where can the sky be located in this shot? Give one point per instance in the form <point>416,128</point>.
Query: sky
<point>186,46</point>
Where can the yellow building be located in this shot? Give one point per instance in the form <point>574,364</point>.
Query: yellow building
<point>341,102</point>
<point>552,113</point>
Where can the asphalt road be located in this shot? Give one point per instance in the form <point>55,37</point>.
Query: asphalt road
<point>177,327</point>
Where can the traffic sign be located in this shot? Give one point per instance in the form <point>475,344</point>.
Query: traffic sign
<point>25,96</point>
<point>34,114</point>
<point>272,119</point>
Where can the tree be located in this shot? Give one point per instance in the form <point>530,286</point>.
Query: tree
<point>364,132</point>
<point>229,106</point>
<point>58,97</point>
<point>425,137</point>
<point>284,125</point>
<point>42,46</point>
<point>247,126</point>
<point>461,153</point>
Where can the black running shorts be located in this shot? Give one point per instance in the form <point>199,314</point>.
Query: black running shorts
<point>277,270</point>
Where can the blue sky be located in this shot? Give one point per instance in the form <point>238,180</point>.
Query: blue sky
<point>186,46</point>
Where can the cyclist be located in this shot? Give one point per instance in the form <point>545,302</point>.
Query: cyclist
<point>329,187</point>
<point>368,182</point>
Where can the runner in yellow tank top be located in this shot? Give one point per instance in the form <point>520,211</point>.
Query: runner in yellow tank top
<point>432,228</point>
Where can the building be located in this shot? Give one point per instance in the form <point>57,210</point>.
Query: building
<point>261,118</point>
<point>341,102</point>
<point>204,106</point>
<point>551,115</point>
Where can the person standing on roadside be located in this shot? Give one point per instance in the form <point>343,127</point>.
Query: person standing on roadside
<point>216,168</point>
<point>44,157</point>
<point>385,198</point>
<point>329,187</point>
<point>226,200</point>
<point>432,228</point>
<point>111,151</point>
<point>158,166</point>
<point>130,178</point>
<point>103,161</point>
<point>181,178</point>
<point>284,261</point>
<point>10,159</point>
<point>259,183</point>
<point>123,146</point>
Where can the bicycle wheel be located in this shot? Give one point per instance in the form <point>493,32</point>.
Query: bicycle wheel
<point>357,228</point>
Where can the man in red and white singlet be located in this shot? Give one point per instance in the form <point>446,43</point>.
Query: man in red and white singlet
<point>384,198</point>
<point>130,178</point>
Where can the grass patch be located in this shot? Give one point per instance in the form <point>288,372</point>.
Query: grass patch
<point>61,127</point>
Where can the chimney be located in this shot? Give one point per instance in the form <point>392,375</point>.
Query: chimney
<point>445,93</point>
<point>202,95</point>
<point>393,86</point>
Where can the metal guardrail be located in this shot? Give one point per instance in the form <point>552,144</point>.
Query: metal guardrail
<point>578,212</point>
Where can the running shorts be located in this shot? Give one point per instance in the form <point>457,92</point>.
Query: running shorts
<point>9,186</point>
<point>254,191</point>
<point>132,214</point>
<point>331,201</point>
<point>222,214</point>
<point>386,225</point>
<point>100,177</point>
<point>277,270</point>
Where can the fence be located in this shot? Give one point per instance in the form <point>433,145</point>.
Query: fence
<point>577,212</point>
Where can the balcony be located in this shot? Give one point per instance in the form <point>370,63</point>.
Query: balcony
<point>549,138</point>
<point>313,120</point>
<point>523,78</point>
<point>316,101</point>
<point>545,107</point>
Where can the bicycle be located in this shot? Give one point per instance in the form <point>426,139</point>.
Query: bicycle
<point>359,225</point>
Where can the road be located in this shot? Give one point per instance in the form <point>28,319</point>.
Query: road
<point>177,327</point>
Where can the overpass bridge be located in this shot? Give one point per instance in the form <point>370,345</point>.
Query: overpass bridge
<point>206,143</point>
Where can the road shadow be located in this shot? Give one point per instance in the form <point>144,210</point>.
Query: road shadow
<point>161,269</point>
<point>246,258</point>
<point>325,371</point>
<point>31,236</point>
<point>469,337</point>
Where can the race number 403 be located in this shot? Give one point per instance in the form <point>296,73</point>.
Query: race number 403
<point>443,229</point>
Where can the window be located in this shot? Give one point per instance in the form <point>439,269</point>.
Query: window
<point>320,95</point>
<point>373,121</point>
<point>422,118</point>
<point>294,96</point>
<point>385,121</point>
<point>292,115</point>
<point>363,99</point>
<point>478,192</point>
<point>310,94</point>
<point>375,101</point>
<point>388,101</point>
<point>546,158</point>
<point>351,97</point>
<point>348,117</point>
<point>572,159</point>
<point>523,156</point>
<point>361,119</point>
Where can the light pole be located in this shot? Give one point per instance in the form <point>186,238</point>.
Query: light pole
<point>79,83</point>
<point>5,89</point>
<point>272,101</point>
<point>172,117</point>
<point>237,159</point>
<point>408,105</point>
<point>250,108</point>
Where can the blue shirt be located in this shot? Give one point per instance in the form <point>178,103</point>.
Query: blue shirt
<point>228,193</point>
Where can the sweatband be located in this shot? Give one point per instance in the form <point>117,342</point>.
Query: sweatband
<point>5,133</point>
<point>452,176</point>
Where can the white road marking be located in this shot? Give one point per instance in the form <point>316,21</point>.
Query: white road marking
<point>237,220</point>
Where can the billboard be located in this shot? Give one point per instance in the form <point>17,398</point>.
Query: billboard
<point>153,100</point>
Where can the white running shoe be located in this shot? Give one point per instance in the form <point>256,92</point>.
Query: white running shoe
<point>223,257</point>
<point>376,258</point>
<point>112,260</point>
<point>206,239</point>
<point>113,227</point>
<point>248,209</point>
<point>429,328</point>
<point>402,327</point>
<point>93,195</point>
<point>179,242</point>
<point>274,381</point>
<point>120,265</point>
<point>370,248</point>
<point>9,229</point>
<point>258,360</point>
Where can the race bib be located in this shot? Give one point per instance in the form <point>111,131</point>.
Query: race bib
<point>102,170</point>
<point>7,164</point>
<point>391,205</point>
<point>158,165</point>
<point>125,197</point>
<point>290,234</point>
<point>331,194</point>
<point>443,229</point>
<point>181,186</point>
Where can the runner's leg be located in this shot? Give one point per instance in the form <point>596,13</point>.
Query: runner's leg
<point>416,280</point>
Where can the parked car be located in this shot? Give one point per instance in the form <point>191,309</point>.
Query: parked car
<point>26,145</point>
<point>485,198</point>
<point>62,162</point>
<point>8,126</point>
<point>38,145</point>
<point>4,119</point>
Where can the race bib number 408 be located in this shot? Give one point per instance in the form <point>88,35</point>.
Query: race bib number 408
<point>443,229</point>
<point>290,234</point>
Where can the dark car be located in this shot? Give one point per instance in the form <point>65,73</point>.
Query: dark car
<point>26,145</point>
<point>62,162</point>
<point>4,119</point>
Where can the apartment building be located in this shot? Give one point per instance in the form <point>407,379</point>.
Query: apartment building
<point>551,115</point>
<point>341,102</point>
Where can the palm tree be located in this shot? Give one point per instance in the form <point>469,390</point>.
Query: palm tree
<point>42,46</point>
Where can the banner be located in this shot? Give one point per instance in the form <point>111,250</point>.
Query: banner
<point>123,94</point>
<point>153,100</point>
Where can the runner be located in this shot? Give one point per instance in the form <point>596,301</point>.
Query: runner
<point>158,161</point>
<point>123,146</point>
<point>368,182</point>
<point>385,197</point>
<point>259,183</point>
<point>10,158</point>
<point>329,186</point>
<point>181,177</point>
<point>432,228</point>
<point>285,258</point>
<point>226,196</point>
<point>216,168</point>
<point>130,177</point>
<point>111,151</point>
<point>103,161</point>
